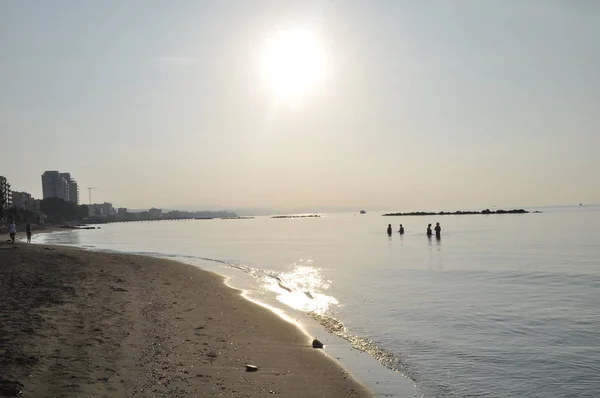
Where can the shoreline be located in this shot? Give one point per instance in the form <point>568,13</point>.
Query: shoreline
<point>369,364</point>
<point>115,323</point>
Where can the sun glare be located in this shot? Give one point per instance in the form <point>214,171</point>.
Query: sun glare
<point>293,64</point>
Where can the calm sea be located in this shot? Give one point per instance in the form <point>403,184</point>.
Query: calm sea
<point>501,306</point>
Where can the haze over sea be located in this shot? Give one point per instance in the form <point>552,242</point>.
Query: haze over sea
<point>501,306</point>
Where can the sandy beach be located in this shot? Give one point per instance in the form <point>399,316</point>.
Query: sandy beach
<point>76,323</point>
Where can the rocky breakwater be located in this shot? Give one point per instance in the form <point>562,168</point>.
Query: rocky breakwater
<point>299,216</point>
<point>459,213</point>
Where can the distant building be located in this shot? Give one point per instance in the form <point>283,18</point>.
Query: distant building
<point>54,185</point>
<point>25,201</point>
<point>73,188</point>
<point>155,213</point>
<point>21,199</point>
<point>94,210</point>
<point>101,209</point>
<point>59,185</point>
<point>5,194</point>
<point>107,209</point>
<point>122,211</point>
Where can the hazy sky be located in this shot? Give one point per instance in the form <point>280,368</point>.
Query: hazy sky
<point>424,104</point>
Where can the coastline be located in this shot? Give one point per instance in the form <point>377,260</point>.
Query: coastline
<point>86,323</point>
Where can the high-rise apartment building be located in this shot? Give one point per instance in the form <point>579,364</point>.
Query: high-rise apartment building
<point>60,185</point>
<point>5,194</point>
<point>73,188</point>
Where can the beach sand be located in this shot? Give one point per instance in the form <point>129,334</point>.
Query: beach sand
<point>76,323</point>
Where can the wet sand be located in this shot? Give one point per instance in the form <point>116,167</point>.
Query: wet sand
<point>75,323</point>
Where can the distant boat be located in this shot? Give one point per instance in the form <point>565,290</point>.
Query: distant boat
<point>363,212</point>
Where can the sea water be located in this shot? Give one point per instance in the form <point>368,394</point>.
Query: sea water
<point>500,306</point>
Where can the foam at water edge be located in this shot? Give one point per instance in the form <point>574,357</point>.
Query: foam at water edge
<point>386,358</point>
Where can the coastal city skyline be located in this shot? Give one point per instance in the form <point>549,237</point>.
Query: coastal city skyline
<point>60,205</point>
<point>388,105</point>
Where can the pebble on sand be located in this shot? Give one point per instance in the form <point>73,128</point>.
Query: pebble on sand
<point>317,344</point>
<point>251,368</point>
<point>212,354</point>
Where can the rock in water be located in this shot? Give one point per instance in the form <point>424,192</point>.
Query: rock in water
<point>251,368</point>
<point>317,344</point>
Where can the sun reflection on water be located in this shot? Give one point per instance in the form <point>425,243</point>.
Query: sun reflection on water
<point>302,288</point>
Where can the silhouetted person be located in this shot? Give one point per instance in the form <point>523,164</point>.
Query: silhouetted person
<point>12,230</point>
<point>401,230</point>
<point>28,229</point>
<point>389,230</point>
<point>429,233</point>
<point>438,230</point>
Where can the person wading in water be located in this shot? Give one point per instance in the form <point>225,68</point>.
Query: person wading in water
<point>438,230</point>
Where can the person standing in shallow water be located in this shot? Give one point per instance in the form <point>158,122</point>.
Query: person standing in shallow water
<point>28,229</point>
<point>401,230</point>
<point>438,230</point>
<point>429,233</point>
<point>389,229</point>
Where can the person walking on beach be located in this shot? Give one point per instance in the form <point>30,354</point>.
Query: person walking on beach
<point>429,233</point>
<point>28,229</point>
<point>12,230</point>
<point>438,230</point>
<point>401,230</point>
<point>389,230</point>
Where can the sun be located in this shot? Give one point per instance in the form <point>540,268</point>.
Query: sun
<point>293,63</point>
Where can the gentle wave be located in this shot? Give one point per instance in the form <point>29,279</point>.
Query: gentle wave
<point>330,324</point>
<point>387,358</point>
